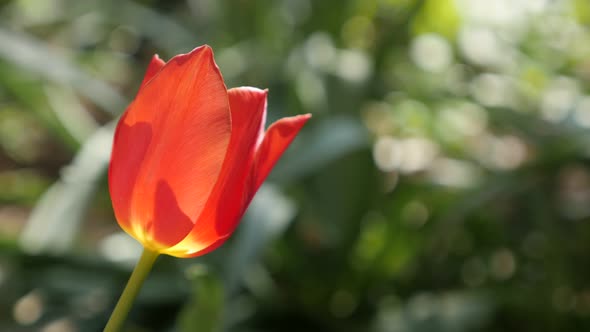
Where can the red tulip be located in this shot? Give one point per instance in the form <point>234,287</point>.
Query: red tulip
<point>189,155</point>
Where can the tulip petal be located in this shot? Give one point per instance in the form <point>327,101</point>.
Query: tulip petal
<point>277,139</point>
<point>186,107</point>
<point>153,68</point>
<point>235,198</point>
<point>129,146</point>
<point>176,224</point>
<point>248,112</point>
<point>227,202</point>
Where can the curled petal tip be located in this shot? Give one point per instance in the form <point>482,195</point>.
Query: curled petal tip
<point>297,120</point>
<point>153,68</point>
<point>156,62</point>
<point>205,49</point>
<point>203,52</point>
<point>251,89</point>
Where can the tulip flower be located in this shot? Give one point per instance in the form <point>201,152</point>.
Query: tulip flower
<point>188,156</point>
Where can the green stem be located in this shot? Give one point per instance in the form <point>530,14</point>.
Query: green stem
<point>140,272</point>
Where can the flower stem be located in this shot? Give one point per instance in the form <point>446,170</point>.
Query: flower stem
<point>140,272</point>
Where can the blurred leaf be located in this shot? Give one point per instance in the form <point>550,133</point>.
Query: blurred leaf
<point>28,92</point>
<point>55,221</point>
<point>21,186</point>
<point>153,24</point>
<point>203,312</point>
<point>268,216</point>
<point>73,116</point>
<point>582,11</point>
<point>328,140</point>
<point>438,16</point>
<point>35,56</point>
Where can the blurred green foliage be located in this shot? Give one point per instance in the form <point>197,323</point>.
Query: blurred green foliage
<point>443,183</point>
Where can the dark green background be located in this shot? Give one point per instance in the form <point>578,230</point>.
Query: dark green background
<point>443,183</point>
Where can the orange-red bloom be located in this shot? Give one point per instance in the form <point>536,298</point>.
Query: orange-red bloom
<point>189,155</point>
